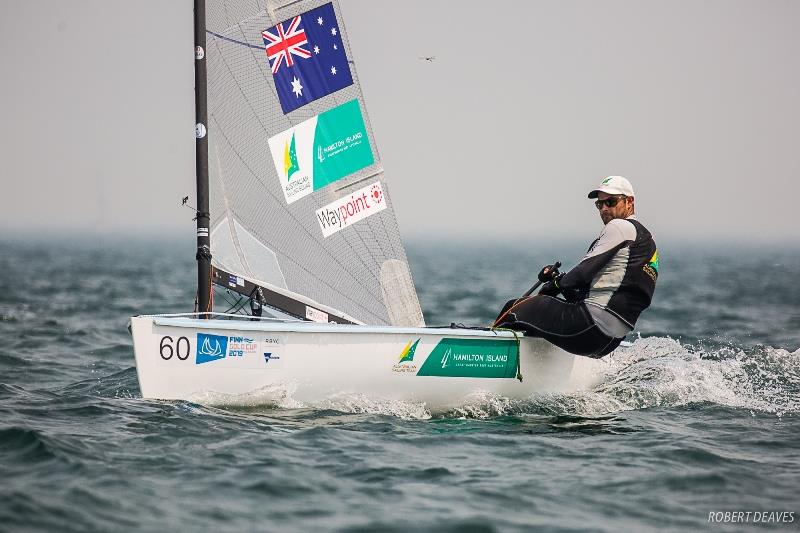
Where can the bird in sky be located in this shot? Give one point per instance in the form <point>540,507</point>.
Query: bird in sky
<point>428,58</point>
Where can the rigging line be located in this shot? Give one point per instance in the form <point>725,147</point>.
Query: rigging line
<point>210,289</point>
<point>234,306</point>
<point>231,305</point>
<point>210,308</point>
<point>217,35</point>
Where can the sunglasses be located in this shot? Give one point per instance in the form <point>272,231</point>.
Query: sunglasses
<point>609,202</point>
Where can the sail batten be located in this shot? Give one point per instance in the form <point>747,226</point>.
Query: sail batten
<point>299,198</point>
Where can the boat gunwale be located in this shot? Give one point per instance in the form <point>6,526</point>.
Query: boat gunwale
<point>277,325</point>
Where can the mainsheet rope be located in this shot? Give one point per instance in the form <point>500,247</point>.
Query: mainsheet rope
<point>519,350</point>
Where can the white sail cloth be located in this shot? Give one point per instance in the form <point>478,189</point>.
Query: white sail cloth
<point>256,233</point>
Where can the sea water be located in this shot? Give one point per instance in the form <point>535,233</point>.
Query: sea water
<point>694,428</point>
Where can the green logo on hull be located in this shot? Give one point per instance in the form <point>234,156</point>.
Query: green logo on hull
<point>472,358</point>
<point>408,352</point>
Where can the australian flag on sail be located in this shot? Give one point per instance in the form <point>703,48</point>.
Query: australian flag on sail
<point>307,57</point>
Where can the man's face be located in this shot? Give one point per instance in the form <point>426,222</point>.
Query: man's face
<point>622,209</point>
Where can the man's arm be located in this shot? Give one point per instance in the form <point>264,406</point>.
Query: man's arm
<point>616,235</point>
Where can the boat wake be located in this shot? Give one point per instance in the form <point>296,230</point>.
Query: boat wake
<point>279,396</point>
<point>662,372</point>
<point>651,372</point>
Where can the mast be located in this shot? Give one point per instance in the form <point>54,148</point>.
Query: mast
<point>203,255</point>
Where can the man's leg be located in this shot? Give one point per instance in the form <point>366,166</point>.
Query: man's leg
<point>567,325</point>
<point>505,313</point>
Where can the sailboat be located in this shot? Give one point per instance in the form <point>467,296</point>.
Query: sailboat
<point>295,219</point>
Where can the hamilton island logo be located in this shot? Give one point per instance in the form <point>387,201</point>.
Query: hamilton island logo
<point>210,348</point>
<point>446,357</point>
<point>405,362</point>
<point>472,358</point>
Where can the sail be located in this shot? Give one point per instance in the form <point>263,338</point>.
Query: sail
<point>299,201</point>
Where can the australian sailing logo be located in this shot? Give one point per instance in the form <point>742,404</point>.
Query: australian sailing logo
<point>651,268</point>
<point>210,348</point>
<point>290,164</point>
<point>406,360</point>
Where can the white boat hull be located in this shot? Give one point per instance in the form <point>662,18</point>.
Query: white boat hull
<point>180,358</point>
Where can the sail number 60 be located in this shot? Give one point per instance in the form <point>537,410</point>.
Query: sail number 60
<point>180,348</point>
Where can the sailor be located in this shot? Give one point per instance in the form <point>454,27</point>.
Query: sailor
<point>605,293</point>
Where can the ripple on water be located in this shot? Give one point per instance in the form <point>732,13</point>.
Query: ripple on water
<point>20,445</point>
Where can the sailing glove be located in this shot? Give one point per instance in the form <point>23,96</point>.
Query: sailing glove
<point>552,288</point>
<point>548,273</point>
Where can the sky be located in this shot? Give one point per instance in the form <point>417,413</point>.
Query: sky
<point>525,108</point>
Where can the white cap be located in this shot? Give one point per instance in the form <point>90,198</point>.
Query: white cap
<point>613,185</point>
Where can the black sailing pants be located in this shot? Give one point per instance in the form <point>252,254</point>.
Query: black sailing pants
<point>567,325</point>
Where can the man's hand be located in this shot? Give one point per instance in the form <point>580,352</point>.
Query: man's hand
<point>549,272</point>
<point>551,288</point>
